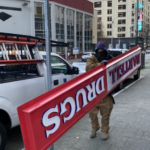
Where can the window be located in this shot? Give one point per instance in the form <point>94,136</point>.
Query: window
<point>97,4</point>
<point>39,20</point>
<point>109,18</point>
<point>121,29</point>
<point>121,14</point>
<point>70,30</point>
<point>99,26</point>
<point>109,3</point>
<point>132,6</point>
<point>120,7</point>
<point>120,1</point>
<point>108,33</point>
<point>132,13</point>
<point>121,21</point>
<point>88,33</point>
<point>99,20</point>
<point>132,28</point>
<point>132,34</point>
<point>99,12</point>
<point>109,11</point>
<point>59,66</point>
<point>38,10</point>
<point>121,35</point>
<point>109,26</point>
<point>132,21</point>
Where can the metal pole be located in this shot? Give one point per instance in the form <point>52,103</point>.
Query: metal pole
<point>48,48</point>
<point>137,23</point>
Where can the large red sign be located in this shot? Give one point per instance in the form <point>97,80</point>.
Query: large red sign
<point>46,118</point>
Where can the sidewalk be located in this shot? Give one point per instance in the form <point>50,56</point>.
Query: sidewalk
<point>129,122</point>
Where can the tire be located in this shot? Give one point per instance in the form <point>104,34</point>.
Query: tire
<point>119,87</point>
<point>3,136</point>
<point>137,76</point>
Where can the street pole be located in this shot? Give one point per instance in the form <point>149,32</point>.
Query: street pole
<point>137,23</point>
<point>48,49</point>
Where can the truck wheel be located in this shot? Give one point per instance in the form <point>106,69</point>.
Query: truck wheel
<point>137,76</point>
<point>3,136</point>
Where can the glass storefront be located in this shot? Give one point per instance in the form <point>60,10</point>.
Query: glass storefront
<point>79,24</point>
<point>88,33</point>
<point>70,29</point>
<point>59,21</point>
<point>39,20</point>
<point>60,27</point>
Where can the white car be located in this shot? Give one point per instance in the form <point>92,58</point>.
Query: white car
<point>148,51</point>
<point>86,55</point>
<point>116,52</point>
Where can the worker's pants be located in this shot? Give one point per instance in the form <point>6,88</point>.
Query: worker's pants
<point>105,107</point>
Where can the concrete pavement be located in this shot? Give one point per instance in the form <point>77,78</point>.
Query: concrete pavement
<point>129,122</point>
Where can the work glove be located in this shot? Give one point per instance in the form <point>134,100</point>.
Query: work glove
<point>104,62</point>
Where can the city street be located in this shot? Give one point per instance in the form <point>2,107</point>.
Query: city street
<point>129,125</point>
<point>44,48</point>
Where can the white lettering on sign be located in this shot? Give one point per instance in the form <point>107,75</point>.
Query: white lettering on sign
<point>84,99</point>
<point>91,91</point>
<point>96,87</point>
<point>46,121</point>
<point>99,83</point>
<point>121,70</point>
<point>71,101</point>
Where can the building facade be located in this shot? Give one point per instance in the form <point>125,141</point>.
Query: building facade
<point>70,21</point>
<point>117,18</point>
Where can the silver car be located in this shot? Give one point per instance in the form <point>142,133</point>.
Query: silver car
<point>86,55</point>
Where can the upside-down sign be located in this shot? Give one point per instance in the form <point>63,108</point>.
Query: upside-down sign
<point>47,117</point>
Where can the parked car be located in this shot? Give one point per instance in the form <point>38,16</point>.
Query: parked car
<point>148,51</point>
<point>86,55</point>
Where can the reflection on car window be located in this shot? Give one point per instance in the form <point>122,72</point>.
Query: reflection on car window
<point>58,65</point>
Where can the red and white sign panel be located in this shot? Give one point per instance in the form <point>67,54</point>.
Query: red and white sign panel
<point>46,118</point>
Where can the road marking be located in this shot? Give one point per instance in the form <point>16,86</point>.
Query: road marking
<point>114,95</point>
